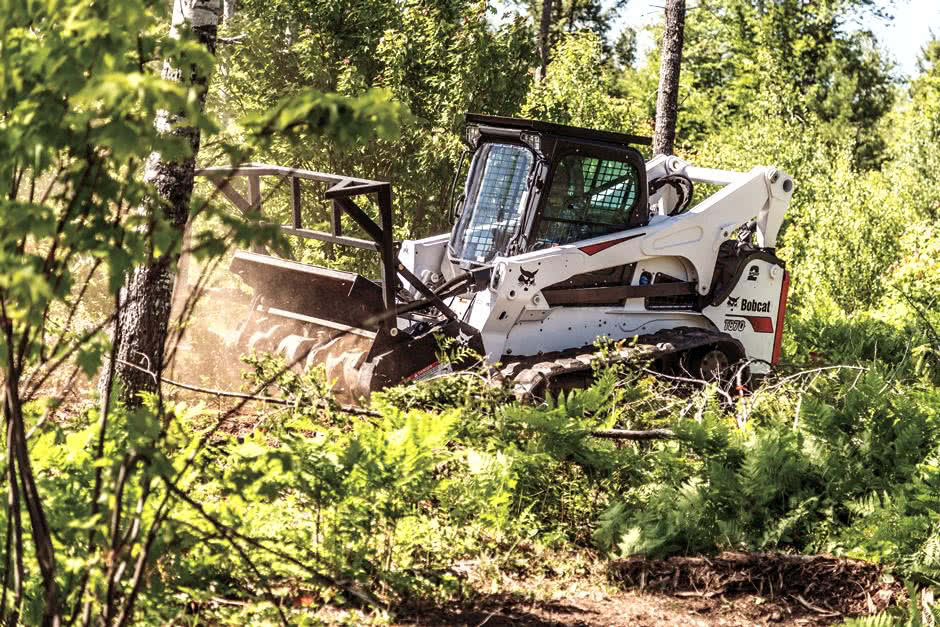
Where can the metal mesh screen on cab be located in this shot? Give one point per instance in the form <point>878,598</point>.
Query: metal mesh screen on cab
<point>589,197</point>
<point>497,209</point>
<point>611,187</point>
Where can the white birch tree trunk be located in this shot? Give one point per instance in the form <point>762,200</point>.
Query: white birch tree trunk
<point>148,296</point>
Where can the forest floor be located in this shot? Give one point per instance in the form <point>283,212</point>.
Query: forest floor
<point>728,589</point>
<point>577,587</point>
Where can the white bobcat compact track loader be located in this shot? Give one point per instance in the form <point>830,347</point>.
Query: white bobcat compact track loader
<point>562,235</point>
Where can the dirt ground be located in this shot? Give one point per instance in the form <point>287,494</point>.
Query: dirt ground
<point>728,589</point>
<point>634,609</point>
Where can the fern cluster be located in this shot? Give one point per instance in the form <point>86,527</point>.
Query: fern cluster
<point>846,461</point>
<point>853,470</point>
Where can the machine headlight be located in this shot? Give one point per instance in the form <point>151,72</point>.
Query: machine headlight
<point>533,141</point>
<point>473,136</point>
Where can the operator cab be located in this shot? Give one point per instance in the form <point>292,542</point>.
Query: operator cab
<point>534,185</point>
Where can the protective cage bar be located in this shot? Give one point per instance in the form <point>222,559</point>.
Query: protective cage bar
<point>341,192</point>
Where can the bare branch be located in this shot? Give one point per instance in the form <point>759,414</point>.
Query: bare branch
<point>99,448</point>
<point>250,397</point>
<point>624,434</point>
<point>16,523</point>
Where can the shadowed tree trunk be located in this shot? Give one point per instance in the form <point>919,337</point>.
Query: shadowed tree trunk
<point>667,101</point>
<point>148,295</point>
<point>545,25</point>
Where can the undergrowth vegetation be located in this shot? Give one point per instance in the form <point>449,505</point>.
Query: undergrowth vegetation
<point>311,504</point>
<point>189,511</point>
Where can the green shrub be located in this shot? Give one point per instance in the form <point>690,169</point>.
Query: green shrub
<point>852,469</point>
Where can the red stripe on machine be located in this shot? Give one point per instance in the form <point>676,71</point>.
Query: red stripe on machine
<point>781,313</point>
<point>593,249</point>
<point>760,324</point>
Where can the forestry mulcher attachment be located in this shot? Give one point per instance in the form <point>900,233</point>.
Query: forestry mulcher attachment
<point>561,236</point>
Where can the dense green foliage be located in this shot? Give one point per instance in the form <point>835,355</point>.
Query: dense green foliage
<point>184,513</point>
<point>802,52</point>
<point>440,59</point>
<point>80,97</point>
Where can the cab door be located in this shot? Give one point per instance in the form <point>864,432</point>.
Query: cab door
<point>592,191</point>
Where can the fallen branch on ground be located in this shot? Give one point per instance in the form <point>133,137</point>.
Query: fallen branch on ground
<point>356,411</point>
<point>624,434</point>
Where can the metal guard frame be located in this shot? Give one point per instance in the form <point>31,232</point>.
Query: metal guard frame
<point>341,192</point>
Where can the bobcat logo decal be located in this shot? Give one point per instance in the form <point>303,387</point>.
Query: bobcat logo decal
<point>527,277</point>
<point>733,301</point>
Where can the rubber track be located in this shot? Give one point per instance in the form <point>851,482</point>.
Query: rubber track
<point>531,376</point>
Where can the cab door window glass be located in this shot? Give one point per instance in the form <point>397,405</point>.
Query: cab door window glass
<point>588,197</point>
<point>494,204</point>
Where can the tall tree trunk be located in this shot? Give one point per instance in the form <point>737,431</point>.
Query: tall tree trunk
<point>545,25</point>
<point>185,264</point>
<point>148,295</point>
<point>667,101</point>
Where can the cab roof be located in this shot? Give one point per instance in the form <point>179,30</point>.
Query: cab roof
<point>560,130</point>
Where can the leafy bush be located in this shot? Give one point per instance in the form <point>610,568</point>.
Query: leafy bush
<point>577,90</point>
<point>851,470</point>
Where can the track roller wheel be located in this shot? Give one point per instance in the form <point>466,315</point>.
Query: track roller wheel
<point>712,363</point>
